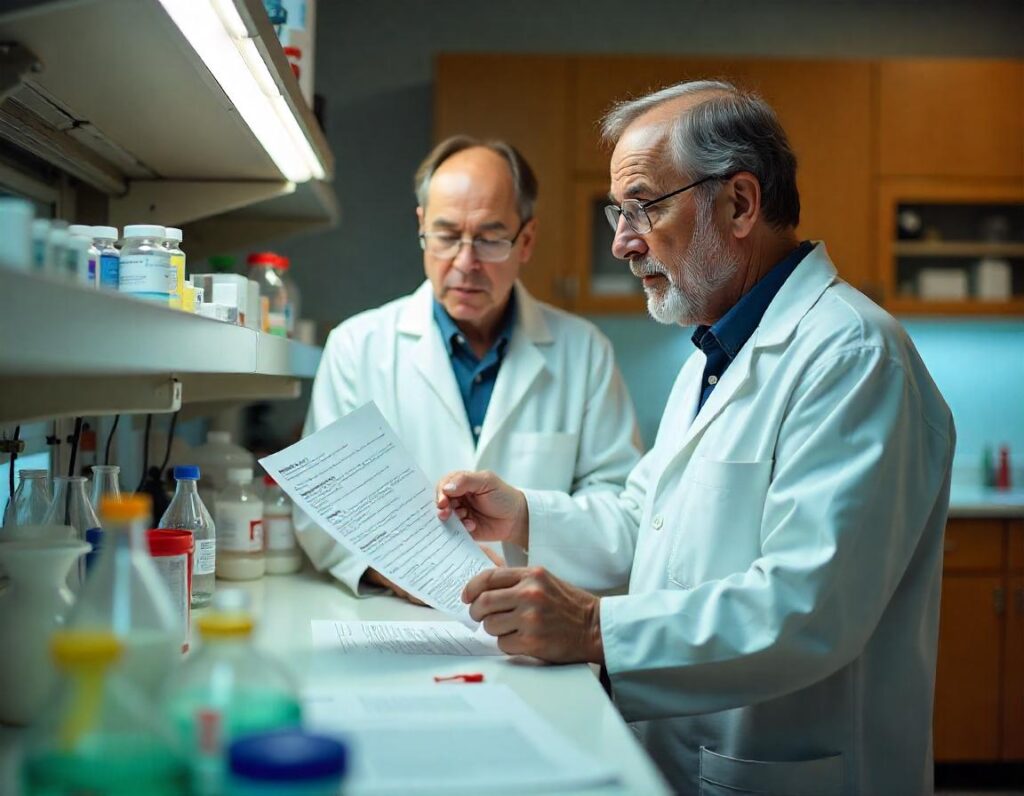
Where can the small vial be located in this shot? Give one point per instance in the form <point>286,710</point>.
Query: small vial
<point>104,239</point>
<point>87,256</point>
<point>146,271</point>
<point>239,513</point>
<point>173,245</point>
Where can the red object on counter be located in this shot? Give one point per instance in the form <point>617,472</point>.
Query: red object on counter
<point>474,677</point>
<point>1003,470</point>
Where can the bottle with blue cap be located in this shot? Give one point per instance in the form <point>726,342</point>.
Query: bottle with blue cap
<point>188,512</point>
<point>286,762</point>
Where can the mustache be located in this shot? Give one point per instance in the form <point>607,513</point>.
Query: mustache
<point>647,266</point>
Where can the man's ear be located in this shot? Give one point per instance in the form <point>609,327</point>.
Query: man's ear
<point>743,194</point>
<point>529,238</point>
<point>419,218</point>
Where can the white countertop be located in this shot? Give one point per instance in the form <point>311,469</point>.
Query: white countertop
<point>975,501</point>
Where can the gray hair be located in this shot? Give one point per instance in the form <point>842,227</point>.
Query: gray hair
<point>523,178</point>
<point>727,132</point>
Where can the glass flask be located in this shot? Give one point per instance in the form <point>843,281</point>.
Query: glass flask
<point>105,481</point>
<point>188,512</point>
<point>124,594</point>
<point>99,735</point>
<point>31,500</point>
<point>70,506</point>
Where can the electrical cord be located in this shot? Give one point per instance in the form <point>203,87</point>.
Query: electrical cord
<point>110,438</point>
<point>170,439</point>
<point>14,455</point>
<point>75,438</point>
<point>145,452</point>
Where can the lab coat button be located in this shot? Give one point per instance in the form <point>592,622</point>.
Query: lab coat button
<point>478,378</point>
<point>712,380</point>
<point>657,522</point>
<point>477,430</point>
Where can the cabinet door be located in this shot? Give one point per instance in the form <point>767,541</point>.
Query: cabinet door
<point>967,686</point>
<point>1013,671</point>
<point>951,118</point>
<point>525,101</point>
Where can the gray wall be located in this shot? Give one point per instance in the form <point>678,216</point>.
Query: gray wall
<point>375,62</point>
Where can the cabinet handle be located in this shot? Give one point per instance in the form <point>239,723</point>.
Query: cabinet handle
<point>999,600</point>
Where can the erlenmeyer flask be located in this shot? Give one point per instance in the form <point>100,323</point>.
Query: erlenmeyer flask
<point>71,507</point>
<point>105,481</point>
<point>31,500</point>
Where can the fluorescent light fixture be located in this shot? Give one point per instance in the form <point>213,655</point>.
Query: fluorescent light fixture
<point>217,33</point>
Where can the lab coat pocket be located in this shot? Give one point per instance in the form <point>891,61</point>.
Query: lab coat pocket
<point>718,525</point>
<point>541,460</point>
<point>721,775</point>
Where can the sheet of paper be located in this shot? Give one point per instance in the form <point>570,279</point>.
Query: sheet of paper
<point>403,638</point>
<point>450,739</point>
<point>358,483</point>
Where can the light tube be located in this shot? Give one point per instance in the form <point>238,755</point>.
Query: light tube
<point>217,33</point>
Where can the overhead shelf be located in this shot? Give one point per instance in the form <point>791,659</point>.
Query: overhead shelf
<point>122,101</point>
<point>957,248</point>
<point>72,351</point>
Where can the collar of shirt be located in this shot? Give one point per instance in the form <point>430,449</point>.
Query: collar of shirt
<point>455,341</point>
<point>731,332</point>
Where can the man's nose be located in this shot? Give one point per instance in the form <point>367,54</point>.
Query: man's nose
<point>627,243</point>
<point>465,257</point>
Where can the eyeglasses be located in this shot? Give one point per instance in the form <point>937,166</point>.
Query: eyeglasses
<point>446,245</point>
<point>635,211</point>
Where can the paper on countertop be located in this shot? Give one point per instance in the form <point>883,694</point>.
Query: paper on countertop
<point>355,479</point>
<point>403,638</point>
<point>449,739</point>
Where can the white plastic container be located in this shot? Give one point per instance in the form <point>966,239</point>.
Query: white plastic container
<point>41,249</point>
<point>87,259</point>
<point>146,271</point>
<point>239,519</point>
<point>15,234</point>
<point>214,459</point>
<point>281,550</point>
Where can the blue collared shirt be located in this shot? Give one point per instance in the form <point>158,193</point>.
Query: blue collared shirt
<point>475,375</point>
<point>723,341</point>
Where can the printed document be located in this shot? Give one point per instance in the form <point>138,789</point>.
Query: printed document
<point>358,483</point>
<point>449,739</point>
<point>403,638</point>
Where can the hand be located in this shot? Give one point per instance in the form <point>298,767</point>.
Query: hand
<point>534,613</point>
<point>491,510</point>
<point>373,576</point>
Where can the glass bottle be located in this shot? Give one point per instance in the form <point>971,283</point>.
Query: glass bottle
<point>228,689</point>
<point>71,507</point>
<point>173,245</point>
<point>124,594</point>
<point>281,549</point>
<point>274,298</point>
<point>31,500</point>
<point>187,512</point>
<point>99,735</point>
<point>145,269</point>
<point>105,481</point>
<point>239,515</point>
<point>103,239</point>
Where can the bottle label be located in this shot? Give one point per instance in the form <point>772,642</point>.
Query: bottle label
<point>204,558</point>
<point>174,572</point>
<point>240,527</point>
<point>146,276</point>
<point>178,274</point>
<point>110,267</point>
<point>279,533</point>
<point>277,323</point>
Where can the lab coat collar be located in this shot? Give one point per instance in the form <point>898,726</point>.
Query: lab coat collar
<point>795,298</point>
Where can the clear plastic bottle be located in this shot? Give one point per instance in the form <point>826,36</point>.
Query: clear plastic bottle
<point>173,245</point>
<point>294,298</point>
<point>99,735</point>
<point>282,551</point>
<point>31,500</point>
<point>227,689</point>
<point>88,271</point>
<point>70,506</point>
<point>214,459</point>
<point>104,239</point>
<point>274,299</point>
<point>16,233</point>
<point>187,512</point>
<point>146,271</point>
<point>124,594</point>
<point>41,250</point>
<point>57,251</point>
<point>105,481</point>
<point>240,528</point>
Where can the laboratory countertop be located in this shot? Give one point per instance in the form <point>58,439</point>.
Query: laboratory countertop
<point>976,501</point>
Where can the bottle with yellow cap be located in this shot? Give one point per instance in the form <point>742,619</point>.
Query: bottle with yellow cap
<point>124,594</point>
<point>99,735</point>
<point>227,689</point>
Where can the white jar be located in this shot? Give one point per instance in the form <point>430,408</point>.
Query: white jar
<point>282,552</point>
<point>239,528</point>
<point>145,270</point>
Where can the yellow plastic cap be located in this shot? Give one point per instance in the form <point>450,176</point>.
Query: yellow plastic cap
<point>216,624</point>
<point>70,647</point>
<point>126,507</point>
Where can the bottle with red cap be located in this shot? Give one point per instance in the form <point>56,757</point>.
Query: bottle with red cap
<point>265,269</point>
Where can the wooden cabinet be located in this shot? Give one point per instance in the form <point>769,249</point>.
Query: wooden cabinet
<point>951,118</point>
<point>979,688</point>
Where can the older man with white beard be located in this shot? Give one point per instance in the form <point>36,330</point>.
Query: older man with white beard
<point>782,541</point>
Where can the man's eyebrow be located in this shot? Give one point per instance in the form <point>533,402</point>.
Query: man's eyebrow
<point>492,226</point>
<point>638,189</point>
<point>444,223</point>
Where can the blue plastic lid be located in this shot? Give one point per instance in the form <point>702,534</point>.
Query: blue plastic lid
<point>287,756</point>
<point>186,472</point>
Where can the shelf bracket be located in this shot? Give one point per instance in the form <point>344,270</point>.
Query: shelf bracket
<point>16,61</point>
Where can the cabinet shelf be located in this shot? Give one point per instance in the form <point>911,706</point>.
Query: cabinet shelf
<point>69,350</point>
<point>957,248</point>
<point>970,307</point>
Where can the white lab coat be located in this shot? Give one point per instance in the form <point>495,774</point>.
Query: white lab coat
<point>559,417</point>
<point>783,550</point>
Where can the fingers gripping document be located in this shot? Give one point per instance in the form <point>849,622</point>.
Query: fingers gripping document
<point>358,483</point>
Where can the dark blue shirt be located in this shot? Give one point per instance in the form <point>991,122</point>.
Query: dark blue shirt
<point>723,341</point>
<point>475,375</point>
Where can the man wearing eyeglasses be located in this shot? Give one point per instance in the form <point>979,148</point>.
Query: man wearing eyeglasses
<point>782,541</point>
<point>471,370</point>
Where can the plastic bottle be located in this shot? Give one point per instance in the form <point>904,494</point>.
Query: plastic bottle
<point>125,595</point>
<point>1003,478</point>
<point>187,512</point>
<point>57,251</point>
<point>15,233</point>
<point>294,299</point>
<point>227,689</point>
<point>31,500</point>
<point>239,528</point>
<point>41,250</point>
<point>173,245</point>
<point>286,761</point>
<point>88,271</point>
<point>274,299</point>
<point>281,550</point>
<point>105,481</point>
<point>99,735</point>
<point>70,506</point>
<point>146,271</point>
<point>988,469</point>
<point>214,459</point>
<point>104,239</point>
